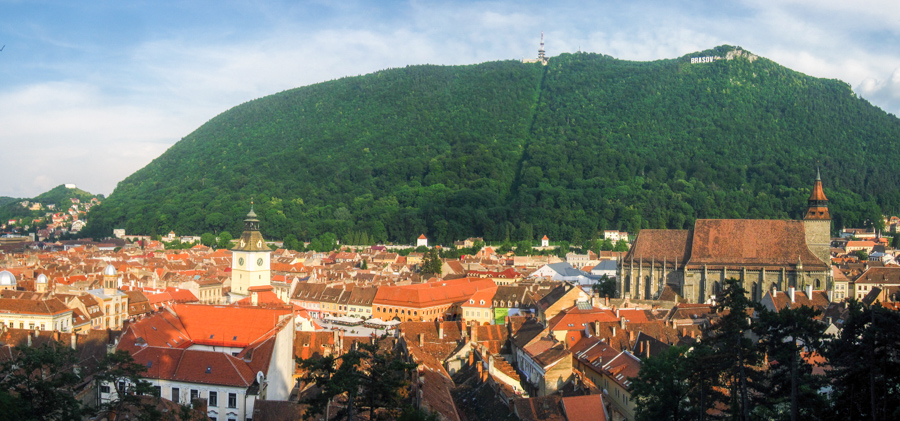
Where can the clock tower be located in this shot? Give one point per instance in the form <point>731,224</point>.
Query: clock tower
<point>250,259</point>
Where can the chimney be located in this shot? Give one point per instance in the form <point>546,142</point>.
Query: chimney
<point>647,350</point>
<point>335,338</point>
<point>641,348</point>
<point>440,331</point>
<point>471,358</point>
<point>29,340</point>
<point>809,292</point>
<point>774,291</point>
<point>475,333</point>
<point>631,336</point>
<point>421,339</point>
<point>683,331</point>
<point>613,331</point>
<point>596,328</point>
<point>622,323</point>
<point>791,292</point>
<point>74,340</point>
<point>490,363</point>
<point>254,298</point>
<point>830,296</point>
<point>693,334</point>
<point>606,302</point>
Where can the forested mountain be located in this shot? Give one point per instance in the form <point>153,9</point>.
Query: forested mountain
<point>512,150</point>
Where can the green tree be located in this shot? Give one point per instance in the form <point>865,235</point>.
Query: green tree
<point>39,384</point>
<point>660,390</point>
<point>208,239</point>
<point>432,265</point>
<point>524,248</point>
<point>865,364</point>
<point>862,255</point>
<point>621,245</point>
<point>291,243</point>
<point>605,286</point>
<point>368,377</point>
<point>563,249</point>
<point>736,352</point>
<point>476,247</point>
<point>790,386</point>
<point>128,390</point>
<point>325,242</point>
<point>224,240</point>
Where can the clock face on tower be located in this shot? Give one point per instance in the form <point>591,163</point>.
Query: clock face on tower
<point>259,262</point>
<point>240,261</point>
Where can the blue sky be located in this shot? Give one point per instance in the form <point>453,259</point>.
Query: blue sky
<point>92,91</point>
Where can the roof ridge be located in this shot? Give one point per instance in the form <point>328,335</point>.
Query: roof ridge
<point>180,358</point>
<point>229,358</point>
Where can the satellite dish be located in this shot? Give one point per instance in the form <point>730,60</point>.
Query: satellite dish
<point>260,377</point>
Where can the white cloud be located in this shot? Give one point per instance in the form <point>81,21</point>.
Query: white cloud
<point>886,92</point>
<point>59,133</point>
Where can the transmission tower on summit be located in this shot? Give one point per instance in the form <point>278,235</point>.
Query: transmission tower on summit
<point>542,55</point>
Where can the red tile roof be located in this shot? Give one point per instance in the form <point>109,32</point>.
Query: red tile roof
<point>586,407</point>
<point>194,366</point>
<point>431,293</point>
<point>572,319</point>
<point>660,245</point>
<point>751,242</point>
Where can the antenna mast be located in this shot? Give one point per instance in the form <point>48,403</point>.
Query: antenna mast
<point>541,55</point>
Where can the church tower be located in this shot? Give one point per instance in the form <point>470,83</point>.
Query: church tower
<point>250,259</point>
<point>817,223</point>
<point>110,280</point>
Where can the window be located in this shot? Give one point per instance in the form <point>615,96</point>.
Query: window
<point>213,399</point>
<point>175,394</point>
<point>104,388</point>
<point>195,394</point>
<point>157,391</point>
<point>232,400</point>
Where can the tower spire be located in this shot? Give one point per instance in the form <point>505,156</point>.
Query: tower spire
<point>817,202</point>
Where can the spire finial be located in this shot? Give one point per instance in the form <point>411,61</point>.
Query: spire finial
<point>251,214</point>
<point>818,174</point>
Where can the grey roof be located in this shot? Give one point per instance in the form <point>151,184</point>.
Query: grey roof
<point>607,265</point>
<point>565,269</point>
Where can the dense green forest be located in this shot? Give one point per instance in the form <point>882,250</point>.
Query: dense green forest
<point>507,150</point>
